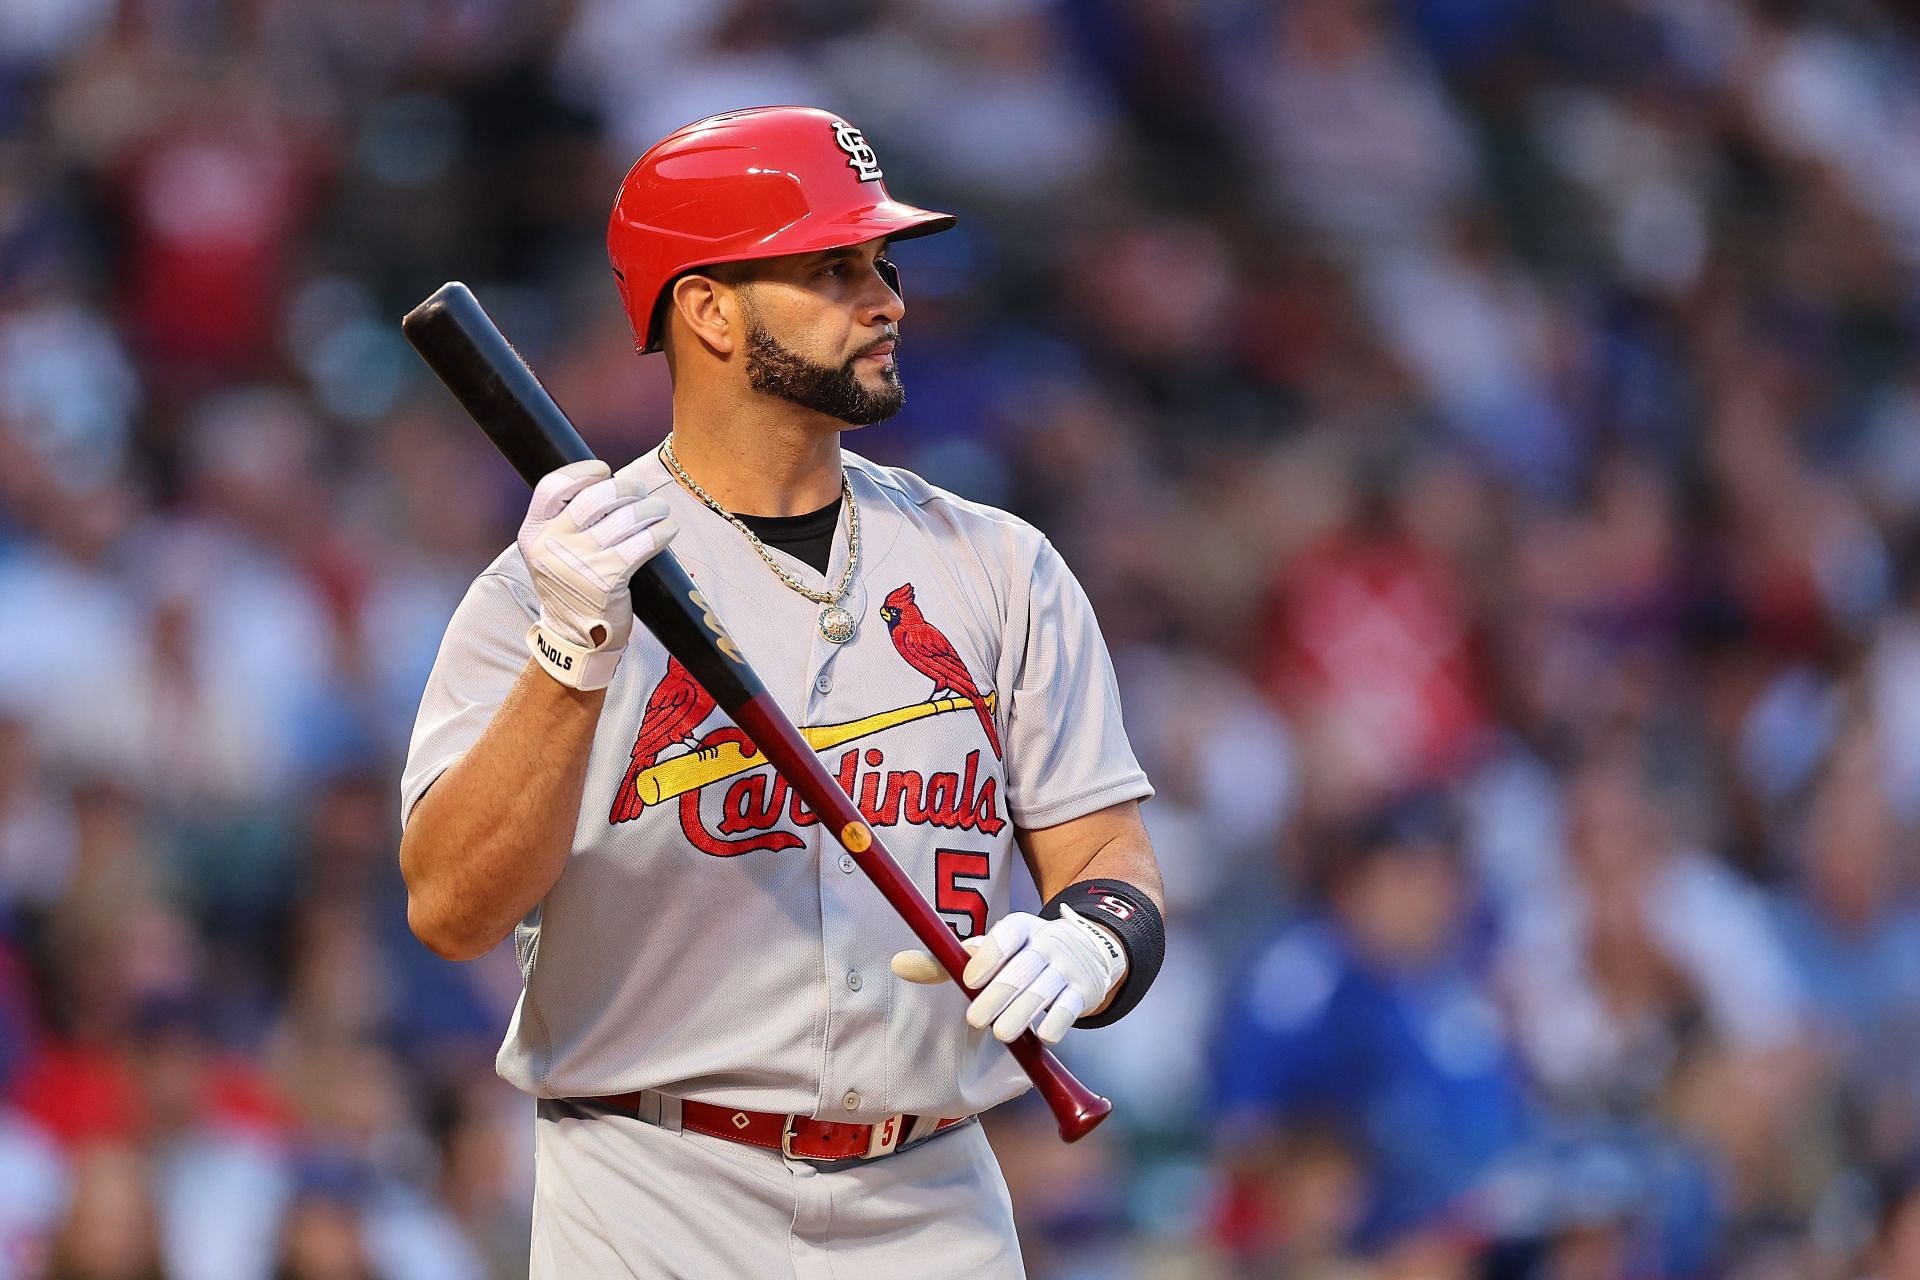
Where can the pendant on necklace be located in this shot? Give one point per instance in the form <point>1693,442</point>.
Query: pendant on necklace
<point>836,624</point>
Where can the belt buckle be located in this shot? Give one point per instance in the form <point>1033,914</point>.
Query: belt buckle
<point>786,1138</point>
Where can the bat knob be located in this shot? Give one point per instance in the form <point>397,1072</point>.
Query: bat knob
<point>1082,1119</point>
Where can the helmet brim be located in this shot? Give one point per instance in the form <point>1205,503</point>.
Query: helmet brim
<point>891,220</point>
<point>887,220</point>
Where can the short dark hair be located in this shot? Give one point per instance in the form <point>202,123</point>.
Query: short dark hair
<point>657,322</point>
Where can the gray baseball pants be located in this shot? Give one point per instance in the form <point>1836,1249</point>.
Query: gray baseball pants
<point>615,1196</point>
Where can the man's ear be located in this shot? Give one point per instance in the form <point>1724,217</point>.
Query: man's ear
<point>710,308</point>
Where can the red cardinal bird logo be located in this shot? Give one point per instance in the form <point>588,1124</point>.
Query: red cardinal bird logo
<point>675,712</point>
<point>933,655</point>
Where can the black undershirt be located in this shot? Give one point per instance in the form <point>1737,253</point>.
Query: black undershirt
<point>807,538</point>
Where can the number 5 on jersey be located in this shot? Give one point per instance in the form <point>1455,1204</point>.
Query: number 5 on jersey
<point>952,898</point>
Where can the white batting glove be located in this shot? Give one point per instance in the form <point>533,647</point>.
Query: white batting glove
<point>586,532</point>
<point>1045,973</point>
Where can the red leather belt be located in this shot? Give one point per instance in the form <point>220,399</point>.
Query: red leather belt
<point>800,1137</point>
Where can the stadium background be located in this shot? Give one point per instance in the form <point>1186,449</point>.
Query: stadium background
<point>1489,431</point>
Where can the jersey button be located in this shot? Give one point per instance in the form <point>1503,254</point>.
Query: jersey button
<point>846,863</point>
<point>851,1102</point>
<point>853,982</point>
<point>823,682</point>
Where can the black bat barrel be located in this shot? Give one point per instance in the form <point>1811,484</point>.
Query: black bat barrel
<point>460,342</point>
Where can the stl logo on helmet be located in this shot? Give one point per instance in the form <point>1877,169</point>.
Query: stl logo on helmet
<point>861,158</point>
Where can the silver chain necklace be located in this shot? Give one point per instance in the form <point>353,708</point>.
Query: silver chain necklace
<point>836,624</point>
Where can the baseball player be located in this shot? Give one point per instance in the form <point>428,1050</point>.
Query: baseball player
<point>732,1078</point>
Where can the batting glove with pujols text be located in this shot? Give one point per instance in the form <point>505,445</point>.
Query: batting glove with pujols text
<point>1044,973</point>
<point>586,532</point>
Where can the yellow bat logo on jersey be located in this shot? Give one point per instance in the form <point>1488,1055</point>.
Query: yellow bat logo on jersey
<point>669,779</point>
<point>757,810</point>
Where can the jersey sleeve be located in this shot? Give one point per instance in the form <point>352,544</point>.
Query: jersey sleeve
<point>1067,750</point>
<point>482,654</point>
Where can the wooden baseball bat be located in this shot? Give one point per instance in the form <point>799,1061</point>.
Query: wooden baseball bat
<point>461,344</point>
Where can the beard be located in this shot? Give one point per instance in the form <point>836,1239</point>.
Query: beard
<point>833,390</point>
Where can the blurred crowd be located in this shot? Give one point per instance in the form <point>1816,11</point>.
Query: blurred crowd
<point>1489,431</point>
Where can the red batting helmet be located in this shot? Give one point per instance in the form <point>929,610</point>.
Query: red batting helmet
<point>748,184</point>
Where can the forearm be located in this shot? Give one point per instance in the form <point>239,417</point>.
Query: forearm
<point>1109,844</point>
<point>492,834</point>
<point>1127,857</point>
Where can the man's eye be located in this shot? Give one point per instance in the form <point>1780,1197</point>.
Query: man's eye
<point>834,269</point>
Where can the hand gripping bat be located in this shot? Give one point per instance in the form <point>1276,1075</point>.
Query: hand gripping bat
<point>462,345</point>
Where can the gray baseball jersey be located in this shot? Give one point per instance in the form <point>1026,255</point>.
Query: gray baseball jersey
<point>708,939</point>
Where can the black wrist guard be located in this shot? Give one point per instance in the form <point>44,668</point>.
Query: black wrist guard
<point>1129,913</point>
